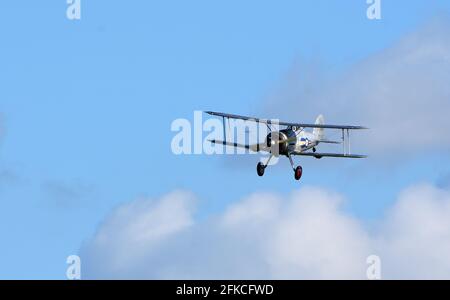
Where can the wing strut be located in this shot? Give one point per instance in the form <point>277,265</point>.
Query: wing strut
<point>346,141</point>
<point>224,130</point>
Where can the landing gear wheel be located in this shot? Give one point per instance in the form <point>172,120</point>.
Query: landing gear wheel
<point>314,149</point>
<point>298,173</point>
<point>260,169</point>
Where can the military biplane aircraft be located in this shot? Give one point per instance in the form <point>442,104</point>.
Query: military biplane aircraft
<point>291,140</point>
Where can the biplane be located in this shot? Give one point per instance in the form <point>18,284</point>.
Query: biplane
<point>290,139</point>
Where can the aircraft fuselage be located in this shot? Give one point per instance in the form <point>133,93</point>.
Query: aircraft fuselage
<point>298,141</point>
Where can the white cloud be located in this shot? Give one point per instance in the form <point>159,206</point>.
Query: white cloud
<point>304,235</point>
<point>401,93</point>
<point>137,229</point>
<point>415,238</point>
<point>315,239</point>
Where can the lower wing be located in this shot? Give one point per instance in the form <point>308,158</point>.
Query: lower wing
<point>254,147</point>
<point>320,155</point>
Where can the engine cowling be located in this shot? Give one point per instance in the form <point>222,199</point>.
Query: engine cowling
<point>276,141</point>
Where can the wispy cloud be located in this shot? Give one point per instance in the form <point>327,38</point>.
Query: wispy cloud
<point>8,177</point>
<point>2,126</point>
<point>63,194</point>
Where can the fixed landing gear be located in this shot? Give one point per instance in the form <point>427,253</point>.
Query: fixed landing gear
<point>298,171</point>
<point>260,169</point>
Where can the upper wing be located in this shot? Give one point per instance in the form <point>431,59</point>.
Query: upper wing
<point>320,155</point>
<point>255,147</point>
<point>259,120</point>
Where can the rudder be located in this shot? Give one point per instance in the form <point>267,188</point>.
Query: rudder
<point>319,132</point>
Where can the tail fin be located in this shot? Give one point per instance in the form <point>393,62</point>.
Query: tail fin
<point>318,132</point>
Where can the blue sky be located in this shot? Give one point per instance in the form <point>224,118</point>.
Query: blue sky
<point>86,108</point>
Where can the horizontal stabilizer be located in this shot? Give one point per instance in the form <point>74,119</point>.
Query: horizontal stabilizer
<point>329,142</point>
<point>320,155</point>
